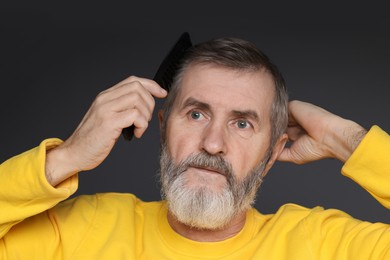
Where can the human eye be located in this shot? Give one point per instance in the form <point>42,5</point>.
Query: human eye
<point>196,115</point>
<point>243,128</point>
<point>243,124</point>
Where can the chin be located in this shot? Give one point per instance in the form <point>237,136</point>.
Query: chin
<point>201,205</point>
<point>214,182</point>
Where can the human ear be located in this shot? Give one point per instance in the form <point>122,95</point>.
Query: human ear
<point>276,151</point>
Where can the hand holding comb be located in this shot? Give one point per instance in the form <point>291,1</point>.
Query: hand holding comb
<point>166,72</point>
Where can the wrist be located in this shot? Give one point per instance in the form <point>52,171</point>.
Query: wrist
<point>57,167</point>
<point>345,139</point>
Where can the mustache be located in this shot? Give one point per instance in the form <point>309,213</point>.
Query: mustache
<point>204,160</point>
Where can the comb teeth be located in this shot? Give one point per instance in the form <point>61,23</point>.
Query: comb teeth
<point>168,68</point>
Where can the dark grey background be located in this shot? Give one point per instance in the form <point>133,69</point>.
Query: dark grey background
<point>56,58</point>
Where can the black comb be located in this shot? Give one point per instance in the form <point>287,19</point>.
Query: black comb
<point>166,72</point>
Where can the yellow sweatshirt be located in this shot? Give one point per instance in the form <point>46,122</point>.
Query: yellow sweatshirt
<point>34,225</point>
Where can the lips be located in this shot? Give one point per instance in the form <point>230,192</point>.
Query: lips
<point>209,169</point>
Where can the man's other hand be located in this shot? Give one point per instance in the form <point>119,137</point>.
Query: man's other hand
<point>315,133</point>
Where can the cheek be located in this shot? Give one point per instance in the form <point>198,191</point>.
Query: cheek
<point>248,155</point>
<point>181,142</point>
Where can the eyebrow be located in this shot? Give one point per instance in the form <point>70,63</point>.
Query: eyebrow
<point>250,114</point>
<point>192,102</point>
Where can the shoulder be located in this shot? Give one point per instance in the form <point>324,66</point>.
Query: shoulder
<point>293,215</point>
<point>106,203</point>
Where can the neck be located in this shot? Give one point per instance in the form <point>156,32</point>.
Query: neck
<point>207,235</point>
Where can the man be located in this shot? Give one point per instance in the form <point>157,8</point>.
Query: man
<point>225,122</point>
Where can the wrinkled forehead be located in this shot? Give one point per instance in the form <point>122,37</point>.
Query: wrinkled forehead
<point>246,89</point>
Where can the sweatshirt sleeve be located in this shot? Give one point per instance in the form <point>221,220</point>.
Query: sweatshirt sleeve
<point>369,165</point>
<point>334,234</point>
<point>24,190</point>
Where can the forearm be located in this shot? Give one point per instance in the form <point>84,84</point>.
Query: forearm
<point>24,190</point>
<point>344,138</point>
<point>58,166</point>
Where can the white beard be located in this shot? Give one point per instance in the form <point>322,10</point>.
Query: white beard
<point>202,207</point>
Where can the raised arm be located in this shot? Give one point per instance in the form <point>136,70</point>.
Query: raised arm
<point>38,179</point>
<point>315,134</point>
<point>129,102</point>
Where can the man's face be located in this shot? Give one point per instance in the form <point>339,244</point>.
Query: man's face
<point>221,115</point>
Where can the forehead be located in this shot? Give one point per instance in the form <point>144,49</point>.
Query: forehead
<point>226,88</point>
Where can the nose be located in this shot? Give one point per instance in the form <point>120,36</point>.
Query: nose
<point>214,139</point>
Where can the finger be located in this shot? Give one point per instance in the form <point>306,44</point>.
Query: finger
<point>155,89</point>
<point>127,97</point>
<point>294,132</point>
<point>114,113</point>
<point>290,154</point>
<point>132,96</point>
<point>124,89</point>
<point>133,117</point>
<point>136,101</point>
<point>306,115</point>
<point>285,155</point>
